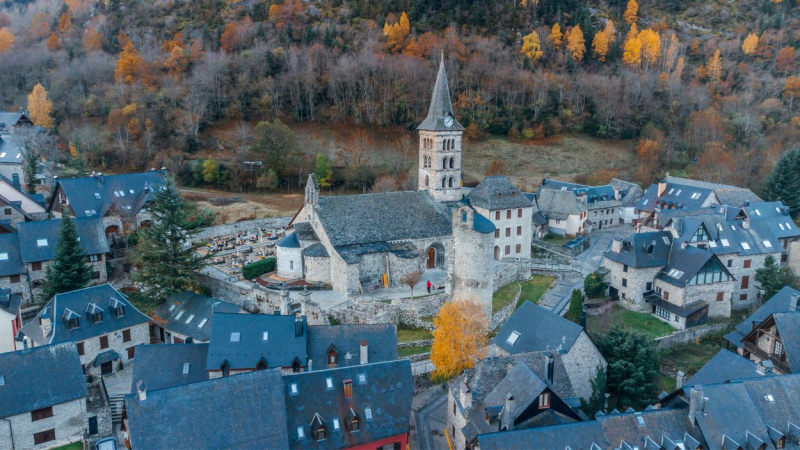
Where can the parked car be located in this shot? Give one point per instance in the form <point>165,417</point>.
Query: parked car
<point>109,443</point>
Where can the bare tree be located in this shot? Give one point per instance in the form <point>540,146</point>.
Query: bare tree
<point>411,279</point>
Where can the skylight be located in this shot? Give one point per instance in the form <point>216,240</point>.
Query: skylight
<point>87,212</point>
<point>329,383</point>
<point>336,423</point>
<point>781,225</point>
<point>2,380</point>
<point>3,256</point>
<point>3,155</point>
<point>265,336</point>
<point>769,397</point>
<point>778,210</point>
<point>745,246</point>
<point>172,308</point>
<point>788,226</point>
<point>41,242</point>
<point>130,190</point>
<point>180,314</point>
<point>758,213</point>
<point>362,379</point>
<point>190,318</point>
<point>725,243</point>
<point>512,338</point>
<point>675,273</point>
<point>235,336</point>
<point>679,192</point>
<point>719,226</point>
<point>666,239</point>
<point>671,191</point>
<point>640,419</point>
<point>293,388</point>
<point>19,155</point>
<point>202,322</point>
<point>116,194</point>
<point>185,368</point>
<point>368,413</point>
<point>300,433</point>
<point>767,243</point>
<point>733,227</point>
<point>712,244</point>
<point>645,201</point>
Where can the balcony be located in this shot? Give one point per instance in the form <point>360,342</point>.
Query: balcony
<point>781,366</point>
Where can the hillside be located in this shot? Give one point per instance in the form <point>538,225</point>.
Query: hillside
<point>548,87</point>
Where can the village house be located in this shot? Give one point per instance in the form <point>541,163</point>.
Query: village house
<point>507,393</point>
<point>497,199</point>
<point>596,207</point>
<point>10,320</point>
<point>17,206</point>
<point>43,398</point>
<point>534,329</point>
<point>243,412</point>
<point>12,150</point>
<point>38,242</point>
<point>186,317</point>
<point>357,407</point>
<point>724,367</point>
<point>566,212</point>
<point>104,325</point>
<point>163,366</point>
<point>120,200</point>
<point>247,342</point>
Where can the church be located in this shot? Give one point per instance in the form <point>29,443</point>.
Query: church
<point>361,243</point>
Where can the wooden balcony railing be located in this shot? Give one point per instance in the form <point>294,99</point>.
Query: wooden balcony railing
<point>781,366</point>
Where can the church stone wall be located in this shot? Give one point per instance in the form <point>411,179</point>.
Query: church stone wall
<point>399,267</point>
<point>290,262</point>
<point>372,267</point>
<point>318,269</point>
<point>472,274</point>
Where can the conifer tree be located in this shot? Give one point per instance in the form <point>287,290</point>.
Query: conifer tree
<point>70,270</point>
<point>783,184</point>
<point>164,258</point>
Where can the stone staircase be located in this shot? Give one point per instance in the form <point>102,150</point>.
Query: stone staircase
<point>117,405</point>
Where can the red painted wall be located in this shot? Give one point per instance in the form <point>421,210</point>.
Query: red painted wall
<point>402,438</point>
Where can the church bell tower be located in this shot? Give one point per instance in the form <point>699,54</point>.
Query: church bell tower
<point>440,145</point>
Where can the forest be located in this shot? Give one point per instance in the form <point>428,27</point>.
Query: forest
<point>206,88</point>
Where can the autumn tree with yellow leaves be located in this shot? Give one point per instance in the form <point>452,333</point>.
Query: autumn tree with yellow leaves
<point>6,40</point>
<point>131,66</point>
<point>555,38</point>
<point>532,47</point>
<point>40,107</point>
<point>714,67</point>
<point>651,47</point>
<point>631,14</point>
<point>750,44</point>
<point>459,337</point>
<point>600,46</point>
<point>576,44</point>
<point>65,22</point>
<point>632,49</point>
<point>40,26</point>
<point>791,89</point>
<point>397,34</point>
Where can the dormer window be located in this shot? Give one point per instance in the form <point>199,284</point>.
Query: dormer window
<point>261,365</point>
<point>74,323</point>
<point>333,358</point>
<point>355,424</point>
<point>319,433</point>
<point>97,317</point>
<point>318,428</point>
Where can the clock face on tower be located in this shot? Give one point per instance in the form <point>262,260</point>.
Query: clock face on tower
<point>448,121</point>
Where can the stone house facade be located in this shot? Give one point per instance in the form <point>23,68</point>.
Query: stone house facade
<point>66,425</point>
<point>498,200</point>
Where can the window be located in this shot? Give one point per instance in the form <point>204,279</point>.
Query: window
<point>745,282</point>
<point>43,413</point>
<point>202,322</point>
<point>103,342</point>
<point>336,423</point>
<point>711,272</point>
<point>329,383</point>
<point>333,357</point>
<point>767,243</point>
<point>36,265</point>
<point>362,379</point>
<point>320,433</point>
<point>624,282</point>
<point>348,388</point>
<point>747,263</point>
<point>778,348</point>
<point>293,389</point>
<point>81,351</point>
<point>8,211</point>
<point>265,336</point>
<point>74,323</point>
<point>355,424</point>
<point>92,258</point>
<point>519,248</point>
<point>724,242</point>
<point>186,368</point>
<point>745,246</point>
<point>544,400</point>
<point>742,296</point>
<point>131,352</point>
<point>661,312</point>
<point>508,249</point>
<point>625,268</point>
<point>126,335</point>
<point>519,213</point>
<point>720,296</point>
<point>701,235</point>
<point>497,215</point>
<point>180,314</point>
<point>508,231</point>
<point>665,294</point>
<point>44,436</point>
<point>730,263</point>
<point>497,232</point>
<point>512,338</point>
<point>368,413</point>
<point>93,425</point>
<point>235,336</point>
<point>191,317</point>
<point>301,434</point>
<point>41,242</point>
<point>14,279</point>
<point>508,214</point>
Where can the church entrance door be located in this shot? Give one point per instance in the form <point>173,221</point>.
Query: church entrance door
<point>431,258</point>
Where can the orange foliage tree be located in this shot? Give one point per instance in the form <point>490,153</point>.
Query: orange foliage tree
<point>65,22</point>
<point>750,44</point>
<point>40,107</point>
<point>237,35</point>
<point>531,46</point>
<point>651,46</point>
<point>714,67</point>
<point>459,337</point>
<point>785,60</point>
<point>53,44</point>
<point>40,26</point>
<point>397,34</point>
<point>131,67</point>
<point>92,40</point>
<point>576,44</point>
<point>600,45</point>
<point>791,89</point>
<point>631,14</point>
<point>556,36</point>
<point>6,40</point>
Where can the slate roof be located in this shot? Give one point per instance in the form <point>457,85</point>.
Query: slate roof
<point>723,367</point>
<point>780,302</point>
<point>752,238</point>
<point>9,246</point>
<point>788,325</point>
<point>9,302</point>
<point>774,216</point>
<point>387,391</point>
<point>39,377</point>
<point>11,150</point>
<point>38,205</point>
<point>688,260</point>
<point>630,193</point>
<point>316,250</point>
<point>90,231</point>
<point>686,193</point>
<point>635,247</point>
<point>378,218</point>
<point>381,343</point>
<point>9,119</point>
<point>305,232</point>
<point>539,218</point>
<point>289,241</point>
<point>128,191</point>
<point>538,329</point>
<point>596,196</point>
<point>440,105</point>
<point>558,204</point>
<point>497,192</point>
<point>77,302</point>
<point>161,366</point>
<point>727,195</point>
<point>482,224</point>
<point>280,348</point>
<point>190,314</point>
<point>240,411</point>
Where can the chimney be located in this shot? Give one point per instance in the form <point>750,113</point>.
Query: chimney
<point>746,223</point>
<point>299,326</point>
<point>508,412</point>
<point>141,389</point>
<point>549,365</point>
<point>364,352</point>
<point>793,303</point>
<point>47,325</point>
<point>616,245</point>
<point>465,395</point>
<point>583,319</point>
<point>100,177</point>
<point>662,187</point>
<point>768,366</point>
<point>696,402</point>
<point>15,181</point>
<point>310,366</point>
<point>680,380</point>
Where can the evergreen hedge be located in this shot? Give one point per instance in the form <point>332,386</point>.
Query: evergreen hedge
<point>257,268</point>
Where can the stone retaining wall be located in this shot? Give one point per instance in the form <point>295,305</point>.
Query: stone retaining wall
<point>415,344</point>
<point>690,335</point>
<point>399,311</point>
<point>247,226</point>
<point>500,317</point>
<point>504,274</point>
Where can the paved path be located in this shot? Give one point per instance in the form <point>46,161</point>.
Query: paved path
<point>429,418</point>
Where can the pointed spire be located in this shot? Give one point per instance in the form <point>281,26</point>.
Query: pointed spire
<point>441,105</point>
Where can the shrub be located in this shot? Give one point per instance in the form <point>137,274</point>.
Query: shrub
<point>257,268</point>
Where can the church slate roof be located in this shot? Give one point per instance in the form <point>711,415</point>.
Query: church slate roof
<point>381,343</point>
<point>240,411</point>
<point>161,366</point>
<point>381,217</point>
<point>90,230</point>
<point>189,304</point>
<point>12,263</point>
<point>557,204</point>
<point>440,105</point>
<point>305,232</point>
<point>538,329</point>
<point>289,241</point>
<point>316,250</point>
<point>40,377</point>
<point>78,302</point>
<point>725,366</point>
<point>497,192</point>
<point>129,191</point>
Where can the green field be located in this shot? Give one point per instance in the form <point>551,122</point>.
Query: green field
<point>532,290</point>
<point>403,352</point>
<point>407,334</point>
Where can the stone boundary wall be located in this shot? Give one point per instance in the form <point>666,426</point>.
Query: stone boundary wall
<point>560,250</point>
<point>504,275</point>
<point>415,344</point>
<point>419,357</point>
<point>422,382</point>
<point>690,335</point>
<point>399,311</point>
<point>500,317</point>
<point>267,223</point>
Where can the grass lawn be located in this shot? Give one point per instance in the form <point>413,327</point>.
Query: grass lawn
<point>535,288</point>
<point>555,239</point>
<point>634,321</point>
<point>73,446</point>
<point>504,296</point>
<point>407,334</point>
<point>402,352</point>
<point>687,357</point>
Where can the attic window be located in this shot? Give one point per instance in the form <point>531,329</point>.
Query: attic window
<point>788,226</point>
<point>97,196</point>
<point>119,311</point>
<point>180,314</point>
<point>368,413</point>
<point>745,246</point>
<point>190,318</point>
<point>719,226</point>
<point>712,244</point>
<point>235,336</point>
<point>202,322</point>
<point>725,243</point>
<point>2,380</point>
<point>293,389</point>
<point>329,383</point>
<point>19,155</point>
<point>348,388</point>
<point>767,244</point>
<point>41,242</point>
<point>695,196</point>
<point>362,379</point>
<point>733,227</point>
<point>130,190</point>
<point>185,368</point>
<point>87,212</point>
<point>778,210</point>
<point>758,213</point>
<point>512,338</point>
<point>675,273</point>
<point>679,192</point>
<point>3,256</point>
<point>769,397</point>
<point>671,191</point>
<point>640,420</point>
<point>265,336</point>
<point>74,323</point>
<point>116,194</point>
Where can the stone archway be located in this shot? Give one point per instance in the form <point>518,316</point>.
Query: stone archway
<point>112,232</point>
<point>497,254</point>
<point>434,257</point>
